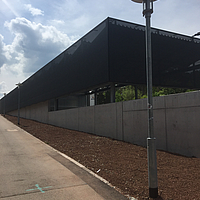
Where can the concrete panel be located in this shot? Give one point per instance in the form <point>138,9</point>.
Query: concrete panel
<point>160,129</point>
<point>71,119</point>
<point>44,114</point>
<point>61,118</point>
<point>119,121</point>
<point>135,127</point>
<point>28,112</point>
<point>183,131</point>
<point>57,118</point>
<point>86,119</point>
<point>193,134</point>
<point>193,98</point>
<point>38,112</point>
<point>22,112</point>
<point>183,100</point>
<point>25,110</point>
<point>159,102</point>
<point>13,113</point>
<point>139,104</point>
<point>41,112</point>
<point>127,106</point>
<point>51,118</point>
<point>105,120</point>
<point>33,112</point>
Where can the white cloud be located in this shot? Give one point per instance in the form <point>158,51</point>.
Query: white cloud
<point>2,87</point>
<point>1,90</point>
<point>60,22</point>
<point>34,11</point>
<point>33,46</point>
<point>2,51</point>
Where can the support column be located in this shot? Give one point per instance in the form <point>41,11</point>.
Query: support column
<point>86,100</point>
<point>95,98</point>
<point>112,92</point>
<point>55,104</point>
<point>136,92</point>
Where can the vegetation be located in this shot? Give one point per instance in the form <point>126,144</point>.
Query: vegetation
<point>103,97</point>
<point>160,91</point>
<point>129,92</point>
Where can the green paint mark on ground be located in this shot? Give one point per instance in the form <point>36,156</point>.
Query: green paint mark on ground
<point>38,188</point>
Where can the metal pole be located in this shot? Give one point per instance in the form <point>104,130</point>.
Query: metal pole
<point>151,140</point>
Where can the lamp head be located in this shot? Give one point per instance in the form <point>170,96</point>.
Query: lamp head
<point>18,84</point>
<point>140,1</point>
<point>137,1</point>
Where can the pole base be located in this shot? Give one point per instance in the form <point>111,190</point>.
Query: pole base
<point>153,192</point>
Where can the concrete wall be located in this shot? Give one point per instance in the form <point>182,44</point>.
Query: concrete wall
<point>176,121</point>
<point>37,112</point>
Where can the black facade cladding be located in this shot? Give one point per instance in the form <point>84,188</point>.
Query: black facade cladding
<point>114,51</point>
<point>172,56</point>
<point>83,65</point>
<point>126,52</point>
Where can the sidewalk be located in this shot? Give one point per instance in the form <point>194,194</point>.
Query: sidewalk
<point>31,169</point>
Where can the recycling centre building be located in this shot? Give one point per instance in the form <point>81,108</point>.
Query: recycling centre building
<point>65,91</point>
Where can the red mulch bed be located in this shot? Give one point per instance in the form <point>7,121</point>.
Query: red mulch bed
<point>124,165</point>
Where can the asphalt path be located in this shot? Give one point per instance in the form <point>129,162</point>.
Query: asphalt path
<point>30,169</point>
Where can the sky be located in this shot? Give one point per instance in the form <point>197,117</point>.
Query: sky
<point>33,32</point>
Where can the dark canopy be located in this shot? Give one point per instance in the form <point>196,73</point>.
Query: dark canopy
<point>113,52</point>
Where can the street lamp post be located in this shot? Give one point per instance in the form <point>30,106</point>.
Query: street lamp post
<point>151,140</point>
<point>19,85</point>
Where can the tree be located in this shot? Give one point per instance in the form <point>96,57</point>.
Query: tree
<point>127,93</point>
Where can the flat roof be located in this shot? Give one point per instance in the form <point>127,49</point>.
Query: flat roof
<point>114,51</point>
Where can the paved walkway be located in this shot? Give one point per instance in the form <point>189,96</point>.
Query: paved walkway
<point>30,169</point>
